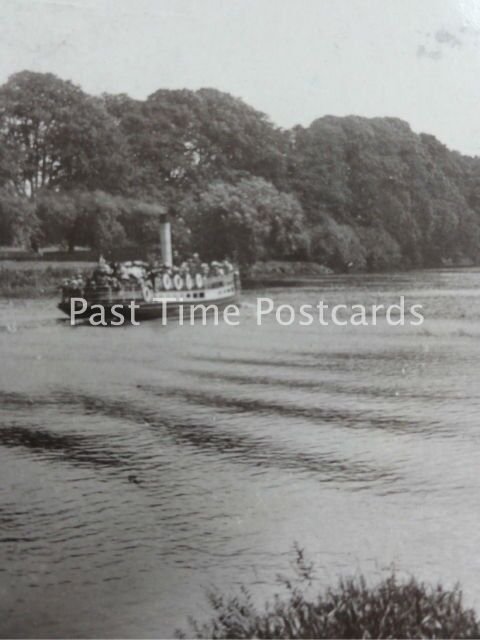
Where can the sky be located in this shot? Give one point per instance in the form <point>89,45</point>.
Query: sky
<point>295,60</point>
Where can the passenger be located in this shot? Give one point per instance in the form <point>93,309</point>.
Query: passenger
<point>217,268</point>
<point>136,272</point>
<point>100,274</point>
<point>122,272</point>
<point>196,264</point>
<point>103,267</point>
<point>155,261</point>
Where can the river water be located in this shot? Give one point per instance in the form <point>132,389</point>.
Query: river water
<point>140,466</point>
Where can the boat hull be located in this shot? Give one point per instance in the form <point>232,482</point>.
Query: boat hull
<point>144,302</point>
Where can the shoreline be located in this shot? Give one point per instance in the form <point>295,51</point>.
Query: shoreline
<point>42,279</point>
<point>36,279</point>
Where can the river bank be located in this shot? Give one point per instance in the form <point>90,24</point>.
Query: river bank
<point>32,279</point>
<point>37,279</point>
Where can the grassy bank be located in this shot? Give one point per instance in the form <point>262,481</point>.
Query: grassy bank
<point>281,272</point>
<point>392,608</point>
<point>36,279</point>
<point>284,268</point>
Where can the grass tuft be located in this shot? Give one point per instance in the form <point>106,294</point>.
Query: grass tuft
<point>392,608</point>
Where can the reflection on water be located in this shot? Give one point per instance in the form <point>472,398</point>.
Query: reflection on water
<point>139,466</point>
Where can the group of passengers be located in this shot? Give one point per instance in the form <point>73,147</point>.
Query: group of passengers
<point>192,272</point>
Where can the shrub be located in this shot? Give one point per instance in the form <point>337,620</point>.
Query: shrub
<point>392,608</point>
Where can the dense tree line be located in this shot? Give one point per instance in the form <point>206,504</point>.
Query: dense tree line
<point>347,192</point>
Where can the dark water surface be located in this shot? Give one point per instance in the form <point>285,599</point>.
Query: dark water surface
<point>361,444</point>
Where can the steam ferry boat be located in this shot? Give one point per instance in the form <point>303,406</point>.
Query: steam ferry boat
<point>157,291</point>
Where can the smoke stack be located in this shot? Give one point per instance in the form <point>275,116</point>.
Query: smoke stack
<point>166,243</point>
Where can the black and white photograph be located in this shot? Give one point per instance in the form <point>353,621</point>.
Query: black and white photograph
<point>239,319</point>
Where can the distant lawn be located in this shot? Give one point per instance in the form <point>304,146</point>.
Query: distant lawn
<point>30,279</point>
<point>42,265</point>
<point>47,254</point>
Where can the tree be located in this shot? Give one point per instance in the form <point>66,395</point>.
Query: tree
<point>59,136</point>
<point>97,219</point>
<point>182,140</point>
<point>57,213</point>
<point>141,221</point>
<point>355,193</point>
<point>377,195</point>
<point>250,220</point>
<point>19,225</point>
<point>97,222</point>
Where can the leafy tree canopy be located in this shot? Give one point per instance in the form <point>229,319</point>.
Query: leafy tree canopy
<point>57,136</point>
<point>353,193</point>
<point>249,220</point>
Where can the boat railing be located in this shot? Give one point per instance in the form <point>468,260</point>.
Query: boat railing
<point>126,291</point>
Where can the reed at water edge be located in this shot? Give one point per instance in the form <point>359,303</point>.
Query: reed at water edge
<point>392,608</point>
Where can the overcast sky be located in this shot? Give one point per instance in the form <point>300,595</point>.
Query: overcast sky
<point>296,60</point>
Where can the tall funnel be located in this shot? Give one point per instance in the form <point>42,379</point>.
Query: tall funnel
<point>166,242</point>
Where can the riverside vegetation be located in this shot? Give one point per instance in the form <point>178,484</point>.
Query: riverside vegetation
<point>392,608</point>
<point>37,279</point>
<point>348,193</point>
<point>41,278</point>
